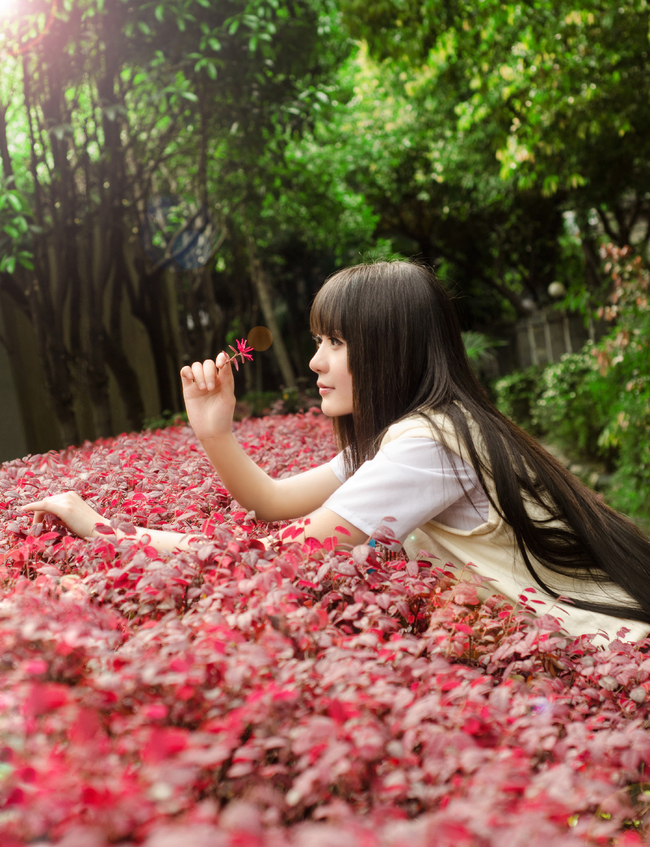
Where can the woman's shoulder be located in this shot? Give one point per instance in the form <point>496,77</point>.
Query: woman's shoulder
<point>424,423</point>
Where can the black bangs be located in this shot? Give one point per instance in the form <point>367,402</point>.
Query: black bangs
<point>328,308</point>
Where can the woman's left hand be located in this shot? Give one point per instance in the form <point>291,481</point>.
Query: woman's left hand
<point>75,513</point>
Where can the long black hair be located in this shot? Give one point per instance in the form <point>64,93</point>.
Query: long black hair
<point>406,356</point>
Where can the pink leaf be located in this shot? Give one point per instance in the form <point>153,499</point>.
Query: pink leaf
<point>330,543</point>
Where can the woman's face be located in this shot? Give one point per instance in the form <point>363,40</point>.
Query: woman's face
<point>330,362</point>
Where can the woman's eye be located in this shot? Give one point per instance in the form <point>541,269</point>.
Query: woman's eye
<point>333,341</point>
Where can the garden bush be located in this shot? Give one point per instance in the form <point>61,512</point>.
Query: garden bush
<point>516,395</point>
<point>234,696</point>
<point>574,403</point>
<point>567,402</point>
<point>257,404</point>
<point>596,403</point>
<point>624,360</point>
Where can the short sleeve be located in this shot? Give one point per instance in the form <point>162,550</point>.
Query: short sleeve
<point>412,480</point>
<point>338,466</point>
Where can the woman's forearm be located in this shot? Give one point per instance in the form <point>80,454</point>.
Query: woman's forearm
<point>84,521</point>
<point>252,487</point>
<point>165,541</point>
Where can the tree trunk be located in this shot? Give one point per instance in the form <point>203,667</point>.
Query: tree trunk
<point>127,381</point>
<point>151,309</point>
<point>264,294</point>
<point>55,371</point>
<point>5,158</point>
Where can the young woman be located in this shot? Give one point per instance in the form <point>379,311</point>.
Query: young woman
<point>420,442</point>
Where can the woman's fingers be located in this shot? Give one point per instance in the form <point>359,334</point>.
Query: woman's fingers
<point>207,375</point>
<point>57,504</point>
<point>225,370</point>
<point>70,508</point>
<point>39,507</point>
<point>199,376</point>
<point>210,374</point>
<point>38,517</point>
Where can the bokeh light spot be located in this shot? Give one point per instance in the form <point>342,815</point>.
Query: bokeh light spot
<point>22,26</point>
<point>260,338</point>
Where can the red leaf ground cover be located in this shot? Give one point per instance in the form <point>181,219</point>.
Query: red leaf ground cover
<point>241,697</point>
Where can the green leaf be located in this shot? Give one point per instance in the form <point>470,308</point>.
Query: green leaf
<point>160,13</point>
<point>25,260</point>
<point>214,43</point>
<point>550,185</point>
<point>11,231</point>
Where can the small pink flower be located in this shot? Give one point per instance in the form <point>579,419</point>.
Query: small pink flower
<point>242,350</point>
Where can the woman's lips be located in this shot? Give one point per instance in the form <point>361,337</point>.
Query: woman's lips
<point>325,390</point>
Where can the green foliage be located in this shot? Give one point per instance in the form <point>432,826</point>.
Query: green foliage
<point>288,401</point>
<point>516,396</point>
<point>14,231</point>
<point>480,347</point>
<point>562,84</point>
<point>573,404</point>
<point>624,360</point>
<point>437,189</point>
<point>629,432</point>
<point>596,403</point>
<point>256,404</point>
<point>115,110</point>
<point>293,400</point>
<point>483,122</point>
<point>165,419</point>
<point>493,139</point>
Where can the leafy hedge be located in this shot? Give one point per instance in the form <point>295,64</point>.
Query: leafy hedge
<point>237,697</point>
<point>568,401</point>
<point>596,403</point>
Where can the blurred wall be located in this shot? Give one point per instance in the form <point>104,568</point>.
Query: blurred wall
<point>12,438</point>
<point>28,424</point>
<point>548,334</point>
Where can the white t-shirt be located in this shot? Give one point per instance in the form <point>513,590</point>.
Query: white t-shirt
<point>413,480</point>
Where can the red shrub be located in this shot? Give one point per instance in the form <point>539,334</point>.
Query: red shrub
<point>248,698</point>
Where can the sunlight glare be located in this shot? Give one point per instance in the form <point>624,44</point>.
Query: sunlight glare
<point>7,8</point>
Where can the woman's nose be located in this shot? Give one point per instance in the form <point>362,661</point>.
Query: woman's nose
<point>318,362</point>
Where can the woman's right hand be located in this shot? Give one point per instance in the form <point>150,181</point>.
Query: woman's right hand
<point>69,507</point>
<point>209,394</point>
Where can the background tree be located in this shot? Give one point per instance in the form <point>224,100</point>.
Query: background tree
<point>193,169</point>
<point>105,130</point>
<point>526,111</point>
